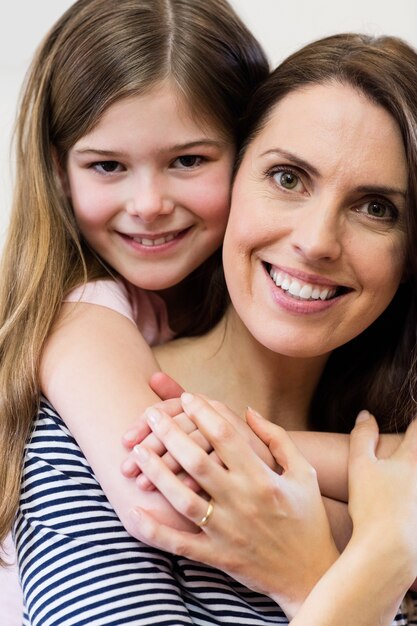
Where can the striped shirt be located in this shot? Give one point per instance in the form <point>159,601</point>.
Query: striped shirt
<point>79,566</point>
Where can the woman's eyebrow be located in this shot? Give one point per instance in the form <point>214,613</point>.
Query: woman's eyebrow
<point>383,190</point>
<point>301,163</point>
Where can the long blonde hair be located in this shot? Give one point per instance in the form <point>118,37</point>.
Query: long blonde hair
<point>98,52</point>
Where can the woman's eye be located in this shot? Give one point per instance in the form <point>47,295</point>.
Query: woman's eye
<point>107,167</point>
<point>379,209</point>
<point>187,161</point>
<point>288,180</point>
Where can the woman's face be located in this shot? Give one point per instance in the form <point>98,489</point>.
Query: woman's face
<point>315,245</point>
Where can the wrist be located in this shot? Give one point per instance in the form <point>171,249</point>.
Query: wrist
<point>290,599</point>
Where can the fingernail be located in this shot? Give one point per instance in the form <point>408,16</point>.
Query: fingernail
<point>186,398</point>
<point>153,416</point>
<point>136,513</point>
<point>362,417</point>
<point>141,453</point>
<point>130,435</point>
<point>255,413</point>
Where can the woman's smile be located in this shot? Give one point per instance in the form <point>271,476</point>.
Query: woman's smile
<point>314,249</point>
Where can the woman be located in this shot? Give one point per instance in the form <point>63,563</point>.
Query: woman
<point>310,138</point>
<point>310,201</point>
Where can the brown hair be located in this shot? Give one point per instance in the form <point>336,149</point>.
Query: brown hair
<point>377,370</point>
<point>98,52</point>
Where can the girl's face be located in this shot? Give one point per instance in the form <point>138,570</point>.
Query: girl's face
<point>315,246</point>
<point>150,188</point>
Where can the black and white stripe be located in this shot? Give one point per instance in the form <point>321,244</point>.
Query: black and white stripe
<point>78,565</point>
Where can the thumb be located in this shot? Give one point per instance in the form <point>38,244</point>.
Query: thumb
<point>279,442</point>
<point>364,437</point>
<point>165,386</point>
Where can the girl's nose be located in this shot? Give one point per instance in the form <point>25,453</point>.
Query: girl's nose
<point>149,200</point>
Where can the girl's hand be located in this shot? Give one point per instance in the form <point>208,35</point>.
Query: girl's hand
<point>166,387</point>
<point>267,530</point>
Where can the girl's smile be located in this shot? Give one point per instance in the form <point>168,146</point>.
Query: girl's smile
<point>150,188</point>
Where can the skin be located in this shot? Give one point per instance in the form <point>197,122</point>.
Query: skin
<point>149,170</point>
<point>323,229</point>
<point>298,207</point>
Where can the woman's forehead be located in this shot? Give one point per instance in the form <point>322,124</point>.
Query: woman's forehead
<point>335,128</point>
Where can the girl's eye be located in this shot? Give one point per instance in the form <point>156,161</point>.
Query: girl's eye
<point>380,209</point>
<point>187,161</point>
<point>106,167</point>
<point>288,180</point>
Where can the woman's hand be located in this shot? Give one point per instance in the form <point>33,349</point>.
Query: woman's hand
<point>268,530</point>
<point>367,583</point>
<point>383,493</point>
<point>166,388</point>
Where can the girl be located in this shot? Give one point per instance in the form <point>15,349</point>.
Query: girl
<point>125,145</point>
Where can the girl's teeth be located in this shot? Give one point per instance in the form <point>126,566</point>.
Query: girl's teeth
<point>298,290</point>
<point>154,242</point>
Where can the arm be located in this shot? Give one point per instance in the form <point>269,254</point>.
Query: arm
<point>94,370</point>
<point>372,575</point>
<point>328,453</point>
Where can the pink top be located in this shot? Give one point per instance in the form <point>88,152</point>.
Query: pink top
<point>148,311</point>
<point>144,308</point>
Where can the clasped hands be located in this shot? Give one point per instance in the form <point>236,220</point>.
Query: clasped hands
<point>268,527</point>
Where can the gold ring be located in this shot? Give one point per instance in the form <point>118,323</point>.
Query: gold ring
<point>206,517</point>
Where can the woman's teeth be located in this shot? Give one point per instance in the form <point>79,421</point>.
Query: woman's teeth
<point>299,289</point>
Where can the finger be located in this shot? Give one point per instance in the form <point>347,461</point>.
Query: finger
<point>181,497</point>
<point>172,406</point>
<point>193,459</point>
<point>165,386</point>
<point>136,434</point>
<point>286,454</point>
<point>129,468</point>
<point>141,429</point>
<point>409,442</point>
<point>195,546</point>
<point>231,447</point>
<point>364,437</point>
<point>188,427</point>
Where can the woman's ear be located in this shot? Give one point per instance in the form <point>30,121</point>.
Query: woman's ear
<point>61,173</point>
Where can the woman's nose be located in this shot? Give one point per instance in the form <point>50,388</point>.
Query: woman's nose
<point>317,235</point>
<point>149,199</point>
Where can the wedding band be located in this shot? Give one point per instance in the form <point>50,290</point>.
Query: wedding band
<point>206,517</point>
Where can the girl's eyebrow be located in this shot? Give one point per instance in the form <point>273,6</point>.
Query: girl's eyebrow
<point>174,148</point>
<point>382,190</point>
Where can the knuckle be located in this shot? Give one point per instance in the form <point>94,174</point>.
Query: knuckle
<point>189,507</point>
<point>222,432</point>
<point>198,464</point>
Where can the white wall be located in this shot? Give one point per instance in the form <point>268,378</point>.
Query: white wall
<point>281,25</point>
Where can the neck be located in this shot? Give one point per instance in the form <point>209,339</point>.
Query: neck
<point>229,365</point>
